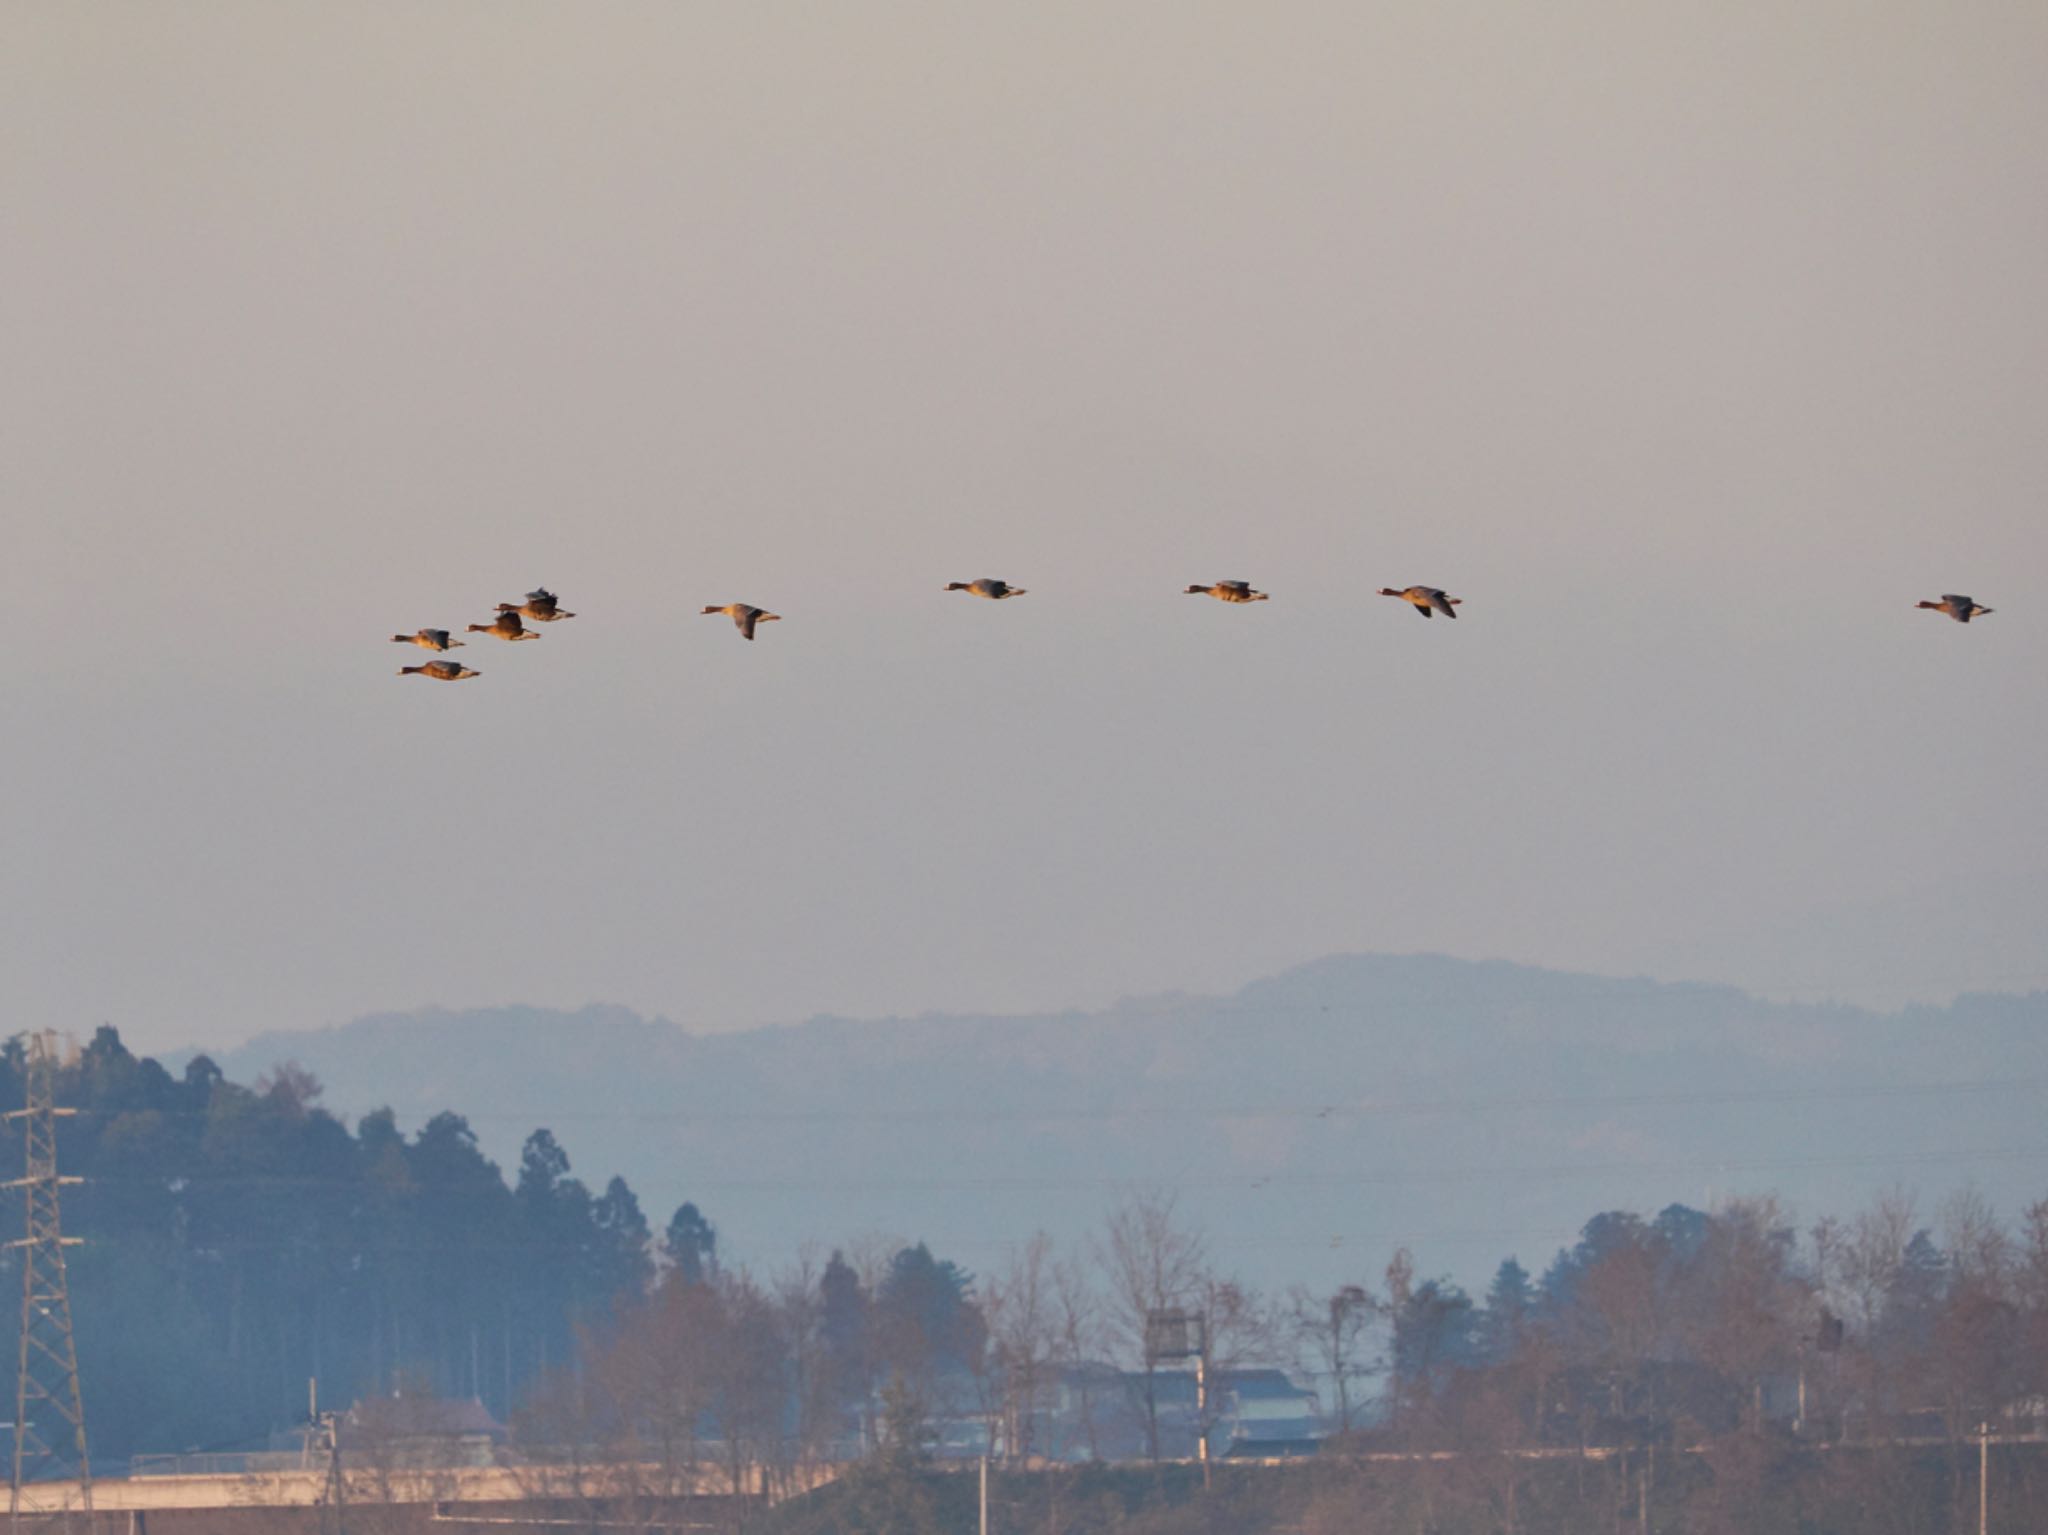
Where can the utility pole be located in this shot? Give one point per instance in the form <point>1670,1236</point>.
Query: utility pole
<point>1983,1479</point>
<point>334,1498</point>
<point>312,1422</point>
<point>1799,1423</point>
<point>46,1386</point>
<point>1166,1337</point>
<point>984,1495</point>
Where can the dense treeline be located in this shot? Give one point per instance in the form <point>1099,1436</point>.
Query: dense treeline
<point>1721,1369</point>
<point>1705,1371</point>
<point>1831,1379</point>
<point>241,1239</point>
<point>1694,1324</point>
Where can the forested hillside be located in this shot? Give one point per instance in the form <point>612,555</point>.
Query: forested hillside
<point>239,1239</point>
<point>1340,1108</point>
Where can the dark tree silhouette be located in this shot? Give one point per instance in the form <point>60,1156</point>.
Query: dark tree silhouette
<point>240,1240</point>
<point>691,1246</point>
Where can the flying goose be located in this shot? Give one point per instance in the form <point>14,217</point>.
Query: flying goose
<point>1961,609</point>
<point>440,671</point>
<point>507,627</point>
<point>1228,591</point>
<point>541,605</point>
<point>427,639</point>
<point>987,587</point>
<point>1425,598</point>
<point>746,616</point>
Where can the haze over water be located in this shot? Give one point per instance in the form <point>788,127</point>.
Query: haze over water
<point>1690,350</point>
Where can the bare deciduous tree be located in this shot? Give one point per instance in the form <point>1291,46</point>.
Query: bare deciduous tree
<point>800,1309</point>
<point>747,1377</point>
<point>291,1087</point>
<point>1078,1344</point>
<point>1870,1255</point>
<point>658,1375</point>
<point>1151,1261</point>
<point>1330,1331</point>
<point>1746,1309</point>
<point>1022,1312</point>
<point>1980,1251</point>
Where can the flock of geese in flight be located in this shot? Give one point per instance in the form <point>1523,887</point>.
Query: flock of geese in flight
<point>543,607</point>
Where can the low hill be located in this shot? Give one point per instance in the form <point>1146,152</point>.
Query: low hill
<point>1315,1120</point>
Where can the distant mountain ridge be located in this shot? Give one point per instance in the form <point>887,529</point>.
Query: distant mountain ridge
<point>1315,1119</point>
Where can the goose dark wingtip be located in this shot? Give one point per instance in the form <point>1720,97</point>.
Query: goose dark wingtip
<point>1424,599</point>
<point>439,671</point>
<point>1232,591</point>
<point>744,616</point>
<point>1959,606</point>
<point>987,586</point>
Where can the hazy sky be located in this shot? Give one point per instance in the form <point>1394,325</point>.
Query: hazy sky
<point>1689,345</point>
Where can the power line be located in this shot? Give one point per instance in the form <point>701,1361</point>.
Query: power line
<point>1379,1180</point>
<point>1056,1183</point>
<point>1322,1111</point>
<point>1180,1111</point>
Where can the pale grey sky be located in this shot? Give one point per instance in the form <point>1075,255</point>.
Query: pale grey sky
<point>1690,345</point>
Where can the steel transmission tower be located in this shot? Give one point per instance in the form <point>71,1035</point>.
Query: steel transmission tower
<point>47,1406</point>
